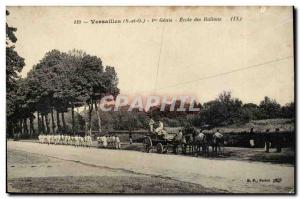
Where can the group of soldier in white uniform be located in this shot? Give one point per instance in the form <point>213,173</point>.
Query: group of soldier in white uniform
<point>110,141</point>
<point>66,140</point>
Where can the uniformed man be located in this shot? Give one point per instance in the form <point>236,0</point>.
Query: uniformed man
<point>251,140</point>
<point>278,141</point>
<point>159,129</point>
<point>130,138</point>
<point>267,141</point>
<point>151,123</point>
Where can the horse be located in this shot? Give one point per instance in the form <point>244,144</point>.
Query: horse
<point>189,143</point>
<point>177,141</point>
<point>201,142</point>
<point>216,141</point>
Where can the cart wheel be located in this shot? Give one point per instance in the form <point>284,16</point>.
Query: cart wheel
<point>147,144</point>
<point>159,148</point>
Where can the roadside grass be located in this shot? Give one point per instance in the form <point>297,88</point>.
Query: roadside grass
<point>105,184</point>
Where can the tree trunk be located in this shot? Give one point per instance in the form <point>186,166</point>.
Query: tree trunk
<point>13,131</point>
<point>9,129</point>
<point>32,131</point>
<point>85,120</point>
<point>98,116</point>
<point>77,119</point>
<point>64,122</point>
<point>58,122</point>
<point>90,117</point>
<point>25,127</point>
<point>47,123</point>
<point>42,123</point>
<point>21,127</point>
<point>53,122</point>
<point>39,122</point>
<point>73,120</point>
<point>16,128</point>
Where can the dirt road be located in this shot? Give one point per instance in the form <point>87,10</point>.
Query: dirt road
<point>34,173</point>
<point>230,175</point>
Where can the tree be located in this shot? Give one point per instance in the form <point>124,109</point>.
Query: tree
<point>43,80</point>
<point>68,92</point>
<point>69,80</point>
<point>252,110</point>
<point>14,64</point>
<point>269,108</point>
<point>288,111</point>
<point>96,83</point>
<point>224,110</point>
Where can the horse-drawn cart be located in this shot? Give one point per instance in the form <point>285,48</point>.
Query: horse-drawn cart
<point>172,139</point>
<point>193,143</point>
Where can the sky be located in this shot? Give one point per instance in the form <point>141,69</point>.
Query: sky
<point>252,58</point>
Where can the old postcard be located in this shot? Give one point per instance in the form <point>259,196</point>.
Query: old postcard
<point>150,100</point>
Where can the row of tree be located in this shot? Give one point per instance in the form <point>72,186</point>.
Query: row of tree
<point>59,82</point>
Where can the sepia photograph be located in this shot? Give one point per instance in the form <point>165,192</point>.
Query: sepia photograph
<point>150,100</point>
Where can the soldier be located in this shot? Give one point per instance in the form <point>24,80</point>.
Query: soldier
<point>130,138</point>
<point>160,129</point>
<point>151,123</point>
<point>251,140</point>
<point>177,139</point>
<point>278,141</point>
<point>267,141</point>
<point>118,142</point>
